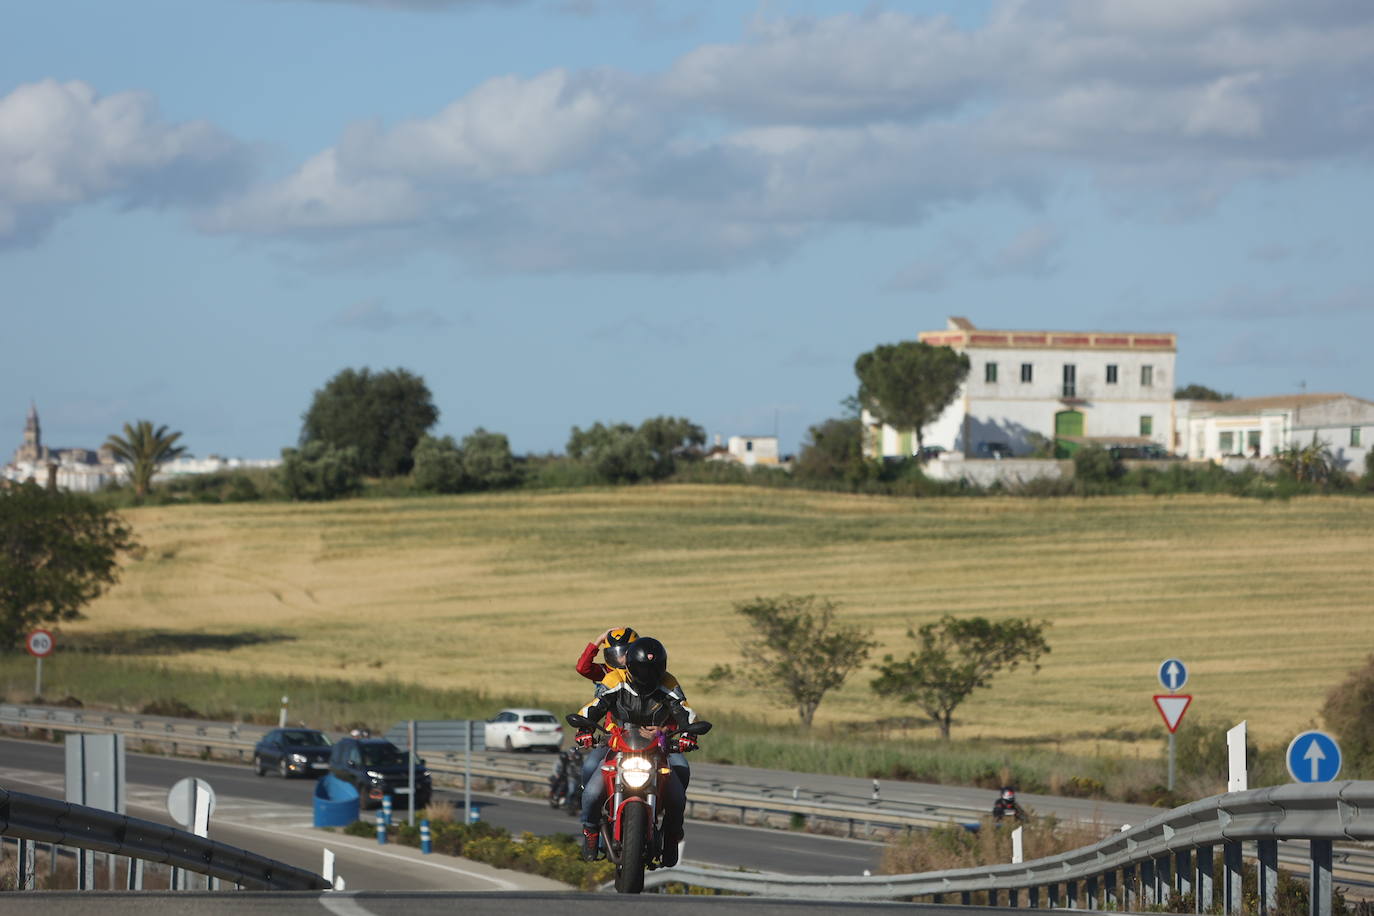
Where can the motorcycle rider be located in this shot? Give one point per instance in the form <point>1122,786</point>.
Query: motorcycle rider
<point>639,699</point>
<point>1006,804</point>
<point>567,774</point>
<point>614,643</point>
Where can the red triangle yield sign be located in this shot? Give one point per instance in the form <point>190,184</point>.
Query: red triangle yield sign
<point>1172,706</point>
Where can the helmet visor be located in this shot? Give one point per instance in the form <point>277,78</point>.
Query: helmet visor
<point>615,655</point>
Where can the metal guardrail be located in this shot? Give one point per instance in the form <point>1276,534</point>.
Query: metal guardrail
<point>45,820</point>
<point>1171,854</point>
<point>851,818</point>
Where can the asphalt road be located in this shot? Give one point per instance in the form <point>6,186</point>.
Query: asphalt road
<point>238,790</point>
<point>398,904</point>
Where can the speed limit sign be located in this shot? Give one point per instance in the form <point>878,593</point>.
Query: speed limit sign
<point>39,643</point>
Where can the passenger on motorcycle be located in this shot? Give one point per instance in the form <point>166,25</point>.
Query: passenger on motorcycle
<point>614,643</point>
<point>638,699</point>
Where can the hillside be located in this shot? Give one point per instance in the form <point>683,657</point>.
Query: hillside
<point>1270,603</point>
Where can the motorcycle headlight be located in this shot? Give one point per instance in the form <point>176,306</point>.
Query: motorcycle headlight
<point>374,774</point>
<point>635,771</point>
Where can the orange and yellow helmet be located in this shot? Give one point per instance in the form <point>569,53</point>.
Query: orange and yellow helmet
<point>616,644</point>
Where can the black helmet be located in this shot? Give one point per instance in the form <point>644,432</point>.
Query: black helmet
<point>646,662</point>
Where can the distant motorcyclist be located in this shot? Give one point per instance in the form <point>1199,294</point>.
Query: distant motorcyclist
<point>638,699</point>
<point>566,777</point>
<point>1006,805</point>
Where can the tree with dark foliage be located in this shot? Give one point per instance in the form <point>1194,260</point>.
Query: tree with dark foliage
<point>58,552</point>
<point>382,415</point>
<point>957,657</point>
<point>908,385</point>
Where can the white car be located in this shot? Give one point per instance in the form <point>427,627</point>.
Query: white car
<point>513,729</point>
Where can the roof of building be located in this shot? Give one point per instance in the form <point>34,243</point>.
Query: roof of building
<point>1272,402</point>
<point>960,332</point>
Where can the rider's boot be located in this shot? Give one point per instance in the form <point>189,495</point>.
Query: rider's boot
<point>670,848</point>
<point>591,843</point>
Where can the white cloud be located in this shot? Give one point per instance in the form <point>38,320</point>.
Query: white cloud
<point>62,145</point>
<point>738,152</point>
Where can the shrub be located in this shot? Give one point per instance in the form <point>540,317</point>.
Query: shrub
<point>439,465</point>
<point>1349,712</point>
<point>318,471</point>
<point>1095,467</point>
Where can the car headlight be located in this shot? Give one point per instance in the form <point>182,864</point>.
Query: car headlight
<point>634,771</point>
<point>298,758</point>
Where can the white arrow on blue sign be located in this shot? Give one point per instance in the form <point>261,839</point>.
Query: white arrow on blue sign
<point>1314,757</point>
<point>1173,674</point>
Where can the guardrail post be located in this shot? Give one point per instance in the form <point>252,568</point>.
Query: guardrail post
<point>966,898</point>
<point>1159,886</point>
<point>23,868</point>
<point>1128,892</point>
<point>1091,900</point>
<point>1232,866</point>
<point>85,870</point>
<point>1071,893</point>
<point>1052,896</point>
<point>1202,884</point>
<point>1267,876</point>
<point>1109,890</point>
<point>1033,897</point>
<point>134,881</point>
<point>1183,872</point>
<point>1319,886</point>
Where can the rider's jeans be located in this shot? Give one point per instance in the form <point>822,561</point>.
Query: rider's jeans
<point>673,801</point>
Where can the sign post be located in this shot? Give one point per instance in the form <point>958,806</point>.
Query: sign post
<point>40,644</point>
<point>1172,674</point>
<point>1313,756</point>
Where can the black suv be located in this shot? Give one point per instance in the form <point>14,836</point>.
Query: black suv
<point>378,768</point>
<point>292,752</point>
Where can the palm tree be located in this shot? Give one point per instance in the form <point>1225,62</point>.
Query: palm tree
<point>146,449</point>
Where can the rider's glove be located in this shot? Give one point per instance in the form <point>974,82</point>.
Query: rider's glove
<point>585,739</point>
<point>686,742</point>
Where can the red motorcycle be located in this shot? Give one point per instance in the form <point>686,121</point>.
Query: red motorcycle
<point>635,770</point>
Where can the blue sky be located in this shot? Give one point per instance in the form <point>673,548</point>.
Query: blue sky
<point>564,211</point>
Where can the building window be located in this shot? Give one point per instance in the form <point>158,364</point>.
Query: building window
<point>1226,443</point>
<point>1252,443</point>
<point>1147,376</point>
<point>1070,380</point>
<point>1111,374</point>
<point>749,446</point>
<point>1027,372</point>
<point>990,372</point>
<point>1147,424</point>
<point>1355,436</point>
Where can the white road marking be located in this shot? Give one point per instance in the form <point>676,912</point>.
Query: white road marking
<point>341,903</point>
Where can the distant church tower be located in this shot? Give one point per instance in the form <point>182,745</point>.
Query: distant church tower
<point>32,450</point>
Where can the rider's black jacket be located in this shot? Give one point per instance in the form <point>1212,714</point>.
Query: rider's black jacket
<point>630,707</point>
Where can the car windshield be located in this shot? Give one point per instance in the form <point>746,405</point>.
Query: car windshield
<point>304,739</point>
<point>541,719</point>
<point>383,755</point>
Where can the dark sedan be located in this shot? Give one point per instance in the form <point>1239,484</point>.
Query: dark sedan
<point>292,752</point>
<point>378,768</point>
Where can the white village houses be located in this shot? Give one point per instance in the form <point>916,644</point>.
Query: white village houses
<point>1072,387</point>
<point>1262,427</point>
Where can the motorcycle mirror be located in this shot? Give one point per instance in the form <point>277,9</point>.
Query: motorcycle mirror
<point>581,722</point>
<point>698,728</point>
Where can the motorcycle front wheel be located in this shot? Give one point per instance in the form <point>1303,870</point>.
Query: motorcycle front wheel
<point>629,875</point>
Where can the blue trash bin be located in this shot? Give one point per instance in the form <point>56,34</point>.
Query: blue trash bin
<point>336,802</point>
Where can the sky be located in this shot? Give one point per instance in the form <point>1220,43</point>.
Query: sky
<point>559,212</point>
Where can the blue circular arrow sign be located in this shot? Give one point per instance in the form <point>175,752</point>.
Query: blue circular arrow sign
<point>1173,674</point>
<point>1313,757</point>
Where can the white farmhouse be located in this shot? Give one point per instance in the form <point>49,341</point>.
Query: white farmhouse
<point>1262,427</point>
<point>752,450</point>
<point>1071,387</point>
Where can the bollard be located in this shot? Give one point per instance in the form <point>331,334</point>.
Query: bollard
<point>425,846</point>
<point>386,809</point>
<point>381,829</point>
